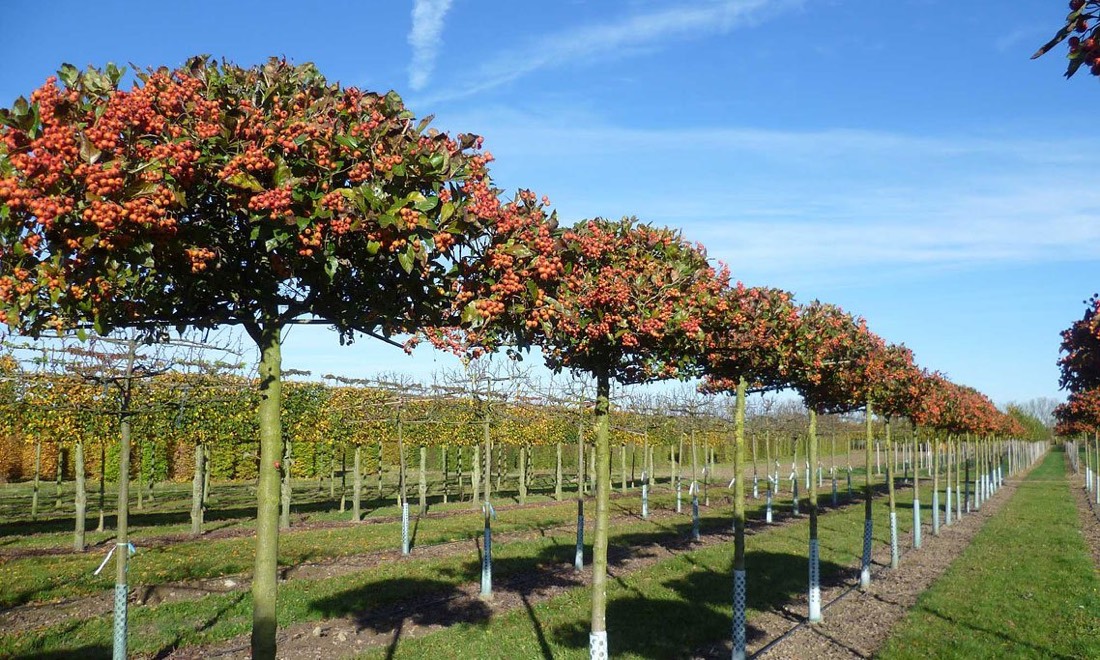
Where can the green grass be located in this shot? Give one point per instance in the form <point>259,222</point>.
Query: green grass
<point>1026,587</point>
<point>778,557</point>
<point>32,579</point>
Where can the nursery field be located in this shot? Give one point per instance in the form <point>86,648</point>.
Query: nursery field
<point>347,590</point>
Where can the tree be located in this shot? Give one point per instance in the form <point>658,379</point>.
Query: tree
<point>1084,50</point>
<point>215,194</point>
<point>618,300</point>
<point>829,344</point>
<point>750,341</point>
<point>1080,364</point>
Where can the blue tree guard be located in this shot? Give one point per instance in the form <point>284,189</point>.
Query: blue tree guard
<point>578,561</point>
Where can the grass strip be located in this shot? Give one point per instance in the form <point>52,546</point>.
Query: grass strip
<point>1024,588</point>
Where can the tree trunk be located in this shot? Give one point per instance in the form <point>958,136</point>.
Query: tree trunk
<point>196,492</point>
<point>935,488</point>
<point>380,448</point>
<point>344,478</point>
<point>102,484</point>
<point>916,490</point>
<point>422,483</point>
<point>622,468</point>
<point>81,496</point>
<point>446,476</point>
<point>208,453</point>
<point>122,541</point>
<point>739,638</point>
<point>357,486</point>
<point>265,572</point>
<point>891,466</point>
<point>475,475</point>
<point>598,637</point>
<point>58,504</point>
<point>523,474</point>
<point>37,474</point>
<point>141,476</point>
<point>815,567</point>
<point>868,495</point>
<point>558,475</point>
<point>580,458</point>
<point>287,488</point>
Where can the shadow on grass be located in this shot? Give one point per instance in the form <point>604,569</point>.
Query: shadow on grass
<point>698,615</point>
<point>1019,645</point>
<point>89,652</point>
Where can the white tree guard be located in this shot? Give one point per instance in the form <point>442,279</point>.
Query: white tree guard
<point>865,560</point>
<point>815,583</point>
<point>916,523</point>
<point>645,501</point>
<point>679,505</point>
<point>120,623</point>
<point>597,646</point>
<point>935,512</point>
<point>578,560</point>
<point>405,528</point>
<point>768,508</point>
<point>739,638</point>
<point>947,511</point>
<point>894,559</point>
<point>755,487</point>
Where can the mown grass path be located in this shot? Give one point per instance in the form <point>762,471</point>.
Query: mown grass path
<point>1025,588</point>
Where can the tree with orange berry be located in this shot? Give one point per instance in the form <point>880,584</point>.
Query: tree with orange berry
<point>618,300</point>
<point>218,195</point>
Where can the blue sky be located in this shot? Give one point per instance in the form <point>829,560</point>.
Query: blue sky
<point>903,159</point>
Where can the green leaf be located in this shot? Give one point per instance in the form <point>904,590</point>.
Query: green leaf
<point>406,259</point>
<point>470,313</point>
<point>282,174</point>
<point>245,181</point>
<point>373,247</point>
<point>330,267</point>
<point>68,74</point>
<point>423,203</point>
<point>346,141</point>
<point>446,212</point>
<point>82,334</point>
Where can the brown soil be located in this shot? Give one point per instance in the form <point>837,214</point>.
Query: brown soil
<point>348,635</point>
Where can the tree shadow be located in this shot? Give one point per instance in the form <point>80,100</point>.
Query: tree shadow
<point>699,613</point>
<point>1042,651</point>
<point>90,652</point>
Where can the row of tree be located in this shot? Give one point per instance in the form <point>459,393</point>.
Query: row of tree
<point>216,195</point>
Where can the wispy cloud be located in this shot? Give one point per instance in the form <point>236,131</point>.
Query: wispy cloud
<point>800,208</point>
<point>634,33</point>
<point>425,37</point>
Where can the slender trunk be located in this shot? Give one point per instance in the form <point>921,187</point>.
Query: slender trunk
<point>935,488</point>
<point>622,468</point>
<point>332,472</point>
<point>446,475</point>
<point>739,637</point>
<point>916,490</point>
<point>580,457</point>
<point>58,504</point>
<point>206,474</point>
<point>459,453</point>
<point>868,494</point>
<point>37,474</point>
<point>475,475</point>
<point>381,447</point>
<point>422,483</point>
<point>81,496</point>
<point>122,541</point>
<point>265,572</point>
<point>284,514</point>
<point>891,466</point>
<point>523,474</point>
<point>357,485</point>
<point>558,475</point>
<point>196,492</point>
<point>141,476</point>
<point>598,637</point>
<point>344,477</point>
<point>815,568</point>
<point>102,484</point>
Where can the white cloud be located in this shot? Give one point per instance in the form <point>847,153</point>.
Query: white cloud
<point>425,37</point>
<point>635,33</point>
